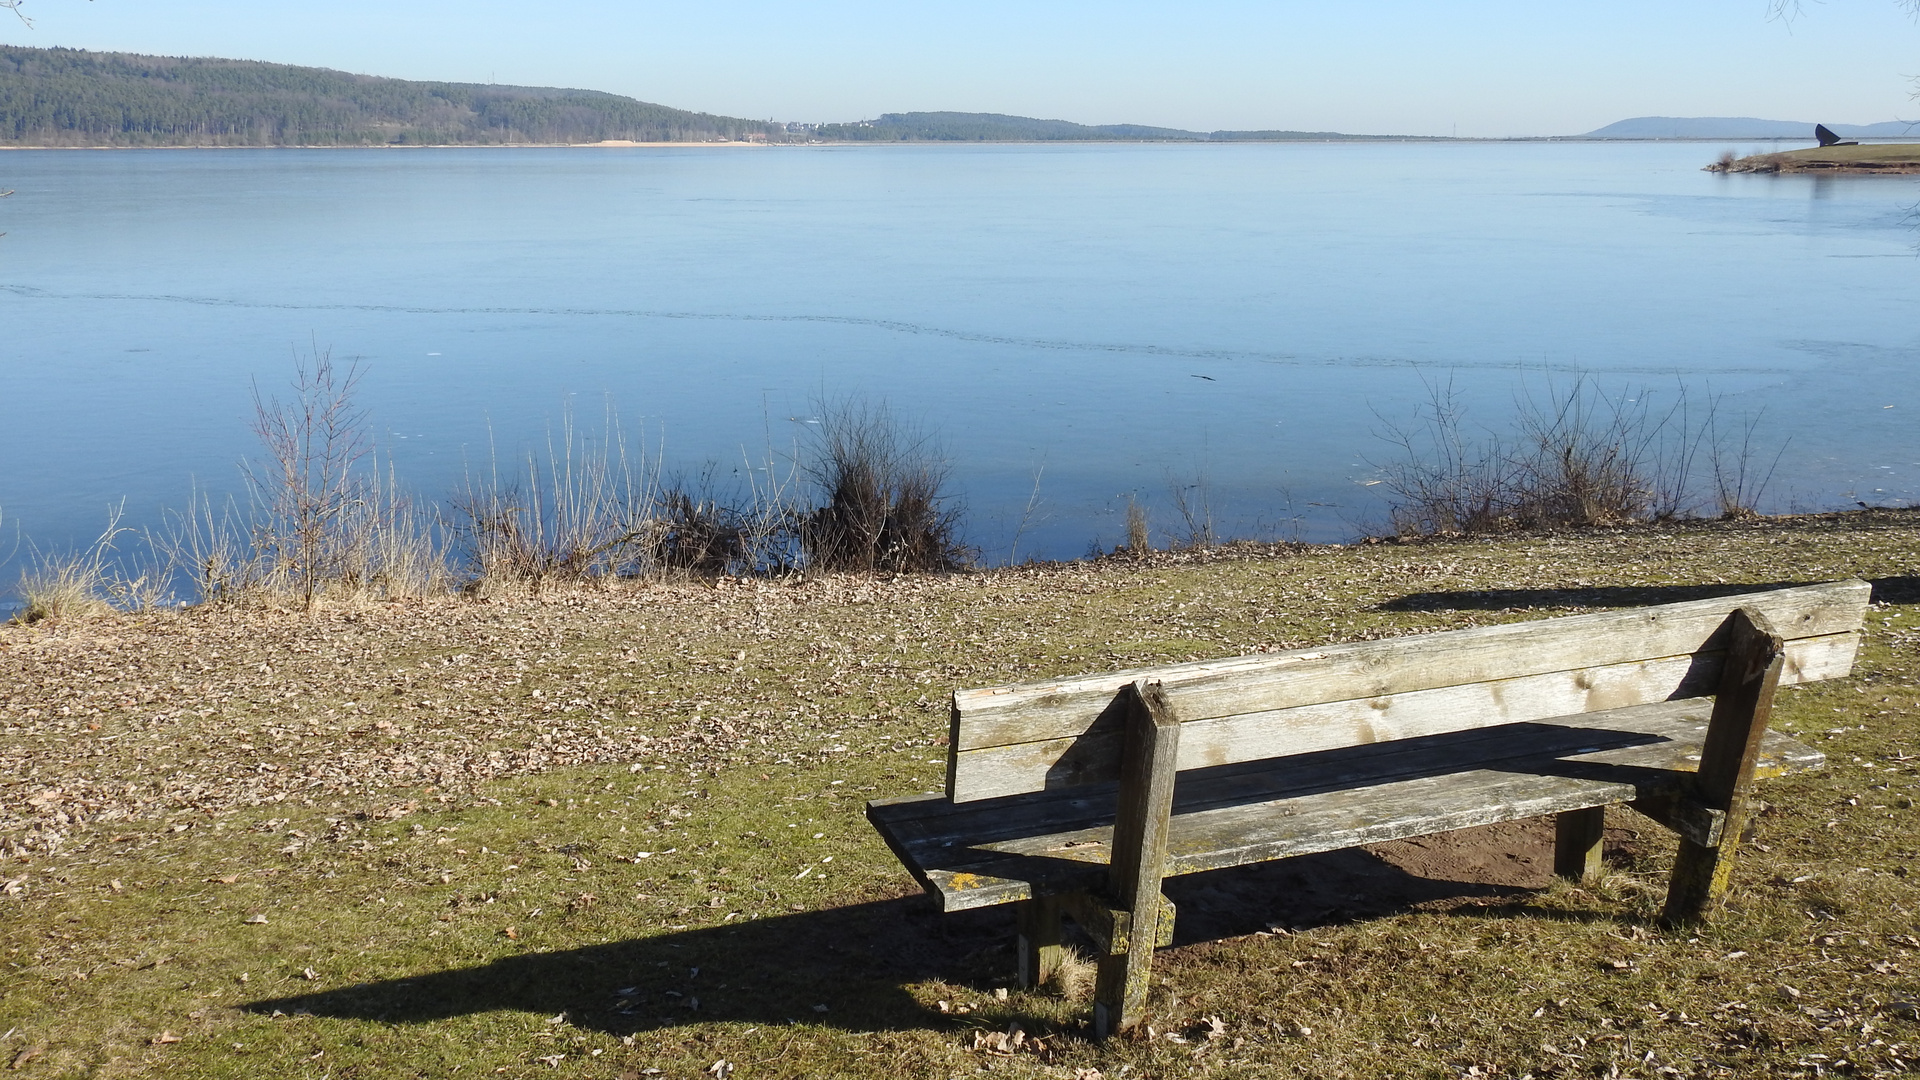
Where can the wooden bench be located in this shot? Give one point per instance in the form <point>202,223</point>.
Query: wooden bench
<point>1061,795</point>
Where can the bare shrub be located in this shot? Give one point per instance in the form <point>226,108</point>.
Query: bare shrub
<point>883,500</point>
<point>1576,456</point>
<point>1193,501</point>
<point>1139,541</point>
<point>211,545</point>
<point>394,547</point>
<point>1443,480</point>
<point>767,519</point>
<point>697,532</point>
<point>317,521</point>
<point>308,487</point>
<point>1029,514</point>
<point>582,509</point>
<point>1733,461</point>
<point>1591,458</point>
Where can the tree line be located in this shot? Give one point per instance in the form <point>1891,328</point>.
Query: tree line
<point>72,97</point>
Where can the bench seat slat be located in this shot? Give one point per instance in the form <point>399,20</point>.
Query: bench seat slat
<point>972,855</point>
<point>935,821</point>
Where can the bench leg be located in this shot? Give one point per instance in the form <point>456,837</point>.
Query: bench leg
<point>1148,763</point>
<point>1755,656</point>
<point>1578,835</point>
<point>1120,988</point>
<point>1040,948</point>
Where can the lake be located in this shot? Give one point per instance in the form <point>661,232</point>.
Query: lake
<point>1113,319</point>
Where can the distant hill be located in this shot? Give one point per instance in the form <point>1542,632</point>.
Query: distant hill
<point>71,97</point>
<point>1742,127</point>
<point>998,127</point>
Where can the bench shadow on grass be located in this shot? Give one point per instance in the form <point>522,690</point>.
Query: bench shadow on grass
<point>1887,590</point>
<point>859,961</point>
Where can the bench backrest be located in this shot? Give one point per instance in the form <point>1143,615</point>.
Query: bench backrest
<point>1009,740</point>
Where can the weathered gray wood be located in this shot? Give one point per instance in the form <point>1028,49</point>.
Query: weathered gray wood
<point>1671,732</point>
<point>932,820</point>
<point>1112,928</point>
<point>1094,757</point>
<point>1678,811</point>
<point>1578,836</point>
<point>979,854</point>
<point>1728,758</point>
<point>1149,763</point>
<point>1039,941</point>
<point>1030,712</point>
<point>1327,749</point>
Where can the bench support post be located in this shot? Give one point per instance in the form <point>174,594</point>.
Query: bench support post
<point>1147,768</point>
<point>1040,948</point>
<point>1755,656</point>
<point>1578,835</point>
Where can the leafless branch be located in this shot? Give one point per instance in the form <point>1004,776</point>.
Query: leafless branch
<point>311,482</point>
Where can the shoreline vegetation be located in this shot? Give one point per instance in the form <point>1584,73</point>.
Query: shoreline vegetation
<point>1879,159</point>
<point>320,520</point>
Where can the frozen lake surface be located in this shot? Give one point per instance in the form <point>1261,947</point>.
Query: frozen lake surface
<point>1117,318</point>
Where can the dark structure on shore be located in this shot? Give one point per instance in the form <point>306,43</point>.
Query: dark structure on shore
<point>1828,138</point>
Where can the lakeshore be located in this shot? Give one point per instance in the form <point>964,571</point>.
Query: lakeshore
<point>1885,159</point>
<point>708,297</point>
<point>597,832</point>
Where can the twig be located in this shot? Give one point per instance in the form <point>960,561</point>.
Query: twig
<point>1026,517</point>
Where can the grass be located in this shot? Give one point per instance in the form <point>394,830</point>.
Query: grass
<point>1871,157</point>
<point>63,587</point>
<point>439,809</point>
<point>79,584</point>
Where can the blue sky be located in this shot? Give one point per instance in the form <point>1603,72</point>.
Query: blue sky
<point>1478,67</point>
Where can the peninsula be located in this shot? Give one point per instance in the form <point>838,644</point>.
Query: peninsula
<point>1899,159</point>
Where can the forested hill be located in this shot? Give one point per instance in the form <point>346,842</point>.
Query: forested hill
<point>996,127</point>
<point>70,97</point>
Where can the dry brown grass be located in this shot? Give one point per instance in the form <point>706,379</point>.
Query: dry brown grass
<point>63,587</point>
<point>1139,540</point>
<point>1888,158</point>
